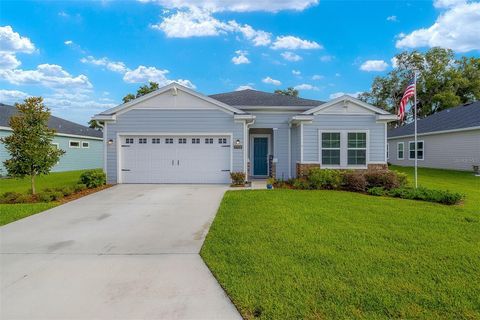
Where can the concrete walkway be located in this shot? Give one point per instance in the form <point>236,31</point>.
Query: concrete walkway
<point>128,252</point>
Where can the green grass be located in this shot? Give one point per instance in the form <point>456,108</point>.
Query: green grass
<point>288,254</point>
<point>13,212</point>
<point>52,180</point>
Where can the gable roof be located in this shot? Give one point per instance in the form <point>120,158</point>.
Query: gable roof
<point>461,117</point>
<point>172,86</point>
<point>346,98</point>
<point>60,125</point>
<point>250,97</point>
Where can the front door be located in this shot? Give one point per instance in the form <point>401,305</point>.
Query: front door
<point>260,156</point>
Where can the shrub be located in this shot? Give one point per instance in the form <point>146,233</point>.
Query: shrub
<point>56,195</point>
<point>386,179</point>
<point>93,178</point>
<point>11,197</point>
<point>301,183</point>
<point>66,191</point>
<point>44,196</point>
<point>80,187</point>
<point>402,179</point>
<point>376,191</point>
<point>431,195</point>
<point>238,178</point>
<point>324,178</point>
<point>354,181</point>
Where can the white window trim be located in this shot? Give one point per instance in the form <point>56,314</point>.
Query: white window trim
<point>416,151</point>
<point>56,144</point>
<point>348,148</point>
<point>88,144</point>
<point>344,149</point>
<point>403,150</point>
<point>339,149</point>
<point>70,146</point>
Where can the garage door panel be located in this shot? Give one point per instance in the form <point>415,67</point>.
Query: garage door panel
<point>176,159</point>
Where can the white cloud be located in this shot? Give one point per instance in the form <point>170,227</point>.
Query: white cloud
<point>306,86</point>
<point>241,57</point>
<point>447,3</point>
<point>244,87</point>
<point>63,14</point>
<point>75,100</point>
<point>338,74</point>
<point>456,28</point>
<point>392,18</point>
<point>12,96</point>
<point>11,41</point>
<point>326,58</point>
<point>8,60</point>
<point>290,56</point>
<point>394,62</point>
<point>47,75</point>
<point>269,80</point>
<point>374,65</point>
<point>296,72</point>
<point>238,6</point>
<point>317,77</point>
<point>339,94</point>
<point>115,66</point>
<point>145,74</point>
<point>294,43</point>
<point>195,22</point>
<point>68,42</point>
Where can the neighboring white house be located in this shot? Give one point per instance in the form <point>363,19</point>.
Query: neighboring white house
<point>177,135</point>
<point>449,139</point>
<point>82,145</point>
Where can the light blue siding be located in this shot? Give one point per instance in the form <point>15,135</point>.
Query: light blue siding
<point>279,121</point>
<point>173,121</point>
<point>73,159</point>
<point>341,122</point>
<point>295,146</point>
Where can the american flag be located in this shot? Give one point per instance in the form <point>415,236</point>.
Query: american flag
<point>409,92</point>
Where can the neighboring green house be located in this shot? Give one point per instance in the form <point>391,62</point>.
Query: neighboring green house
<point>83,146</point>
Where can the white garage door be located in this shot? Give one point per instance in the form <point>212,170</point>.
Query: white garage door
<point>175,159</point>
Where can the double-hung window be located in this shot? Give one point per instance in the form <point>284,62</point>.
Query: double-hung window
<point>357,148</point>
<point>411,150</point>
<point>142,140</point>
<point>331,148</point>
<point>400,150</point>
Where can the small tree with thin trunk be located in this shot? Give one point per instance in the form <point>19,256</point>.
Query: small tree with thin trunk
<point>30,144</point>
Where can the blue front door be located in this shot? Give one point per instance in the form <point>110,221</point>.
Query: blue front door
<point>260,156</point>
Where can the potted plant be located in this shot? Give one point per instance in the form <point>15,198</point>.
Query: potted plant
<point>270,183</point>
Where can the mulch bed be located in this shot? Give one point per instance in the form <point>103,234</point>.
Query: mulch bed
<point>83,193</point>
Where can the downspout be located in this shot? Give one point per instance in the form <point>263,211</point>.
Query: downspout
<point>246,143</point>
<point>289,149</point>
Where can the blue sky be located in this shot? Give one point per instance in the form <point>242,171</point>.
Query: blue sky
<point>83,57</point>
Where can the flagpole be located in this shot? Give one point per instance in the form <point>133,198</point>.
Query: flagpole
<point>415,120</point>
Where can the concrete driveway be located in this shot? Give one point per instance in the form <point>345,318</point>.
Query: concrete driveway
<point>128,252</point>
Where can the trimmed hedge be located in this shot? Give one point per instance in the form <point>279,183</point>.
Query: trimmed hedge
<point>93,178</point>
<point>376,183</point>
<point>238,178</point>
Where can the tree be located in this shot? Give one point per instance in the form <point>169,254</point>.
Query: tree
<point>95,124</point>
<point>443,82</point>
<point>288,92</point>
<point>30,144</point>
<point>143,90</point>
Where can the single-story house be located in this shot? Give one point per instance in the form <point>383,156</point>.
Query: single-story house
<point>449,139</point>
<point>83,146</point>
<point>178,135</point>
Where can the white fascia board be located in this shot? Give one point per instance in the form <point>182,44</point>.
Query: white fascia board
<point>346,98</point>
<point>435,132</point>
<point>244,117</point>
<point>104,117</point>
<point>386,117</point>
<point>62,134</point>
<point>175,86</point>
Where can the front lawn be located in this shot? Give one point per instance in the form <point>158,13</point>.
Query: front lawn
<point>290,254</point>
<point>52,180</point>
<point>13,212</point>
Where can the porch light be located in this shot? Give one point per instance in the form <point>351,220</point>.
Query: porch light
<point>110,141</point>
<point>237,142</point>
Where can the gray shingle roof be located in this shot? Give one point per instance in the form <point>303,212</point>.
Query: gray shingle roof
<point>251,97</point>
<point>463,116</point>
<point>60,125</point>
